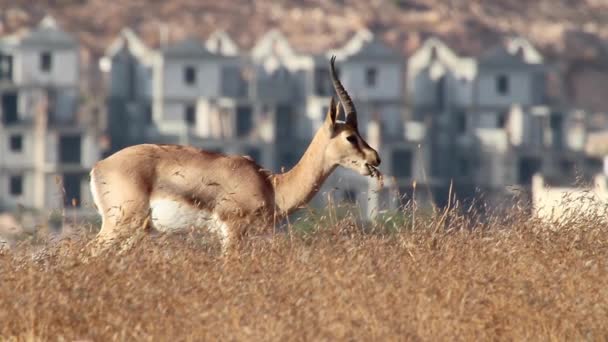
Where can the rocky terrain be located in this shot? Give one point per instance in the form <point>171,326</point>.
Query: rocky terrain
<point>572,34</point>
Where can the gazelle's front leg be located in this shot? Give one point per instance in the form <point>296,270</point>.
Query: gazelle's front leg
<point>234,233</point>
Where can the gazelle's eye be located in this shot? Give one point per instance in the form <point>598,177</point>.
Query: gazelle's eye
<point>352,139</point>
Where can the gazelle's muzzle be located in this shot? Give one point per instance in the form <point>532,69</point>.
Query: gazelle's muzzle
<point>372,162</point>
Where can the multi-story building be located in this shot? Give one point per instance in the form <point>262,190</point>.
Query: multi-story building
<point>492,124</point>
<point>481,124</point>
<point>187,93</point>
<point>47,142</point>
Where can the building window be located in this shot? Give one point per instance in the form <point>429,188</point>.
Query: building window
<point>16,143</point>
<point>6,67</point>
<point>370,77</point>
<point>244,121</point>
<point>502,84</point>
<point>556,121</point>
<point>189,75</point>
<point>463,167</point>
<point>501,120</point>
<point>71,186</point>
<point>148,114</point>
<point>461,123</point>
<point>16,185</point>
<point>349,196</point>
<point>70,149</point>
<point>46,61</point>
<point>9,108</point>
<point>190,114</point>
<point>285,122</point>
<point>567,166</point>
<point>528,166</point>
<point>402,163</point>
<point>441,93</point>
<point>321,82</point>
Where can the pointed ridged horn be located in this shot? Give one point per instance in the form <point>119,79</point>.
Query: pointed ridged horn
<point>347,103</point>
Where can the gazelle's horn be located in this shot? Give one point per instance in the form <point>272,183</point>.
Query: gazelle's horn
<point>345,100</point>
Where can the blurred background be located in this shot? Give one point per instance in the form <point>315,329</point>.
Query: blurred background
<point>503,100</point>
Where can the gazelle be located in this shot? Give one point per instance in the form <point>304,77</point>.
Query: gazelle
<point>173,187</point>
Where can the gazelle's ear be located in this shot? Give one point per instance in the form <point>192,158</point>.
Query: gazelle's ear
<point>330,119</point>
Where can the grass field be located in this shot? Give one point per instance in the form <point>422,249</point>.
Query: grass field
<point>446,278</point>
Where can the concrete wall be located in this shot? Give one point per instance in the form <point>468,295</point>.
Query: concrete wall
<point>563,203</point>
<point>457,91</point>
<point>21,159</point>
<point>27,198</point>
<point>64,69</point>
<point>207,79</point>
<point>520,88</point>
<point>389,80</point>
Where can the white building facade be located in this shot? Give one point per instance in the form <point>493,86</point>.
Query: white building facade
<point>47,143</point>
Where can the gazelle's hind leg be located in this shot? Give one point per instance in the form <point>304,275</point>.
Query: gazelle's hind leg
<point>124,212</point>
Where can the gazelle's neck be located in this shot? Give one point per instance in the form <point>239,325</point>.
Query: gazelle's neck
<point>297,186</point>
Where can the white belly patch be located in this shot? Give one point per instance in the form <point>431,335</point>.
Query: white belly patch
<point>171,216</point>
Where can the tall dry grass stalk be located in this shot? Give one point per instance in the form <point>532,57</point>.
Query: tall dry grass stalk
<point>453,277</point>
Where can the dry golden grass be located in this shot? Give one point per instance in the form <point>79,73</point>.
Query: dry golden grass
<point>449,279</point>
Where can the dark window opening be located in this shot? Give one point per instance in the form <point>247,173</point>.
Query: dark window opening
<point>594,164</point>
<point>556,122</point>
<point>461,123</point>
<point>46,61</point>
<point>148,114</point>
<point>441,94</point>
<point>9,108</point>
<point>502,84</point>
<point>189,75</point>
<point>527,168</point>
<point>244,120</point>
<point>349,196</point>
<point>131,80</point>
<point>402,163</point>
<point>16,143</point>
<point>285,121</point>
<point>16,185</point>
<point>501,120</point>
<point>71,186</point>
<point>322,82</point>
<point>567,166</point>
<point>6,67</point>
<point>463,167</point>
<point>371,74</point>
<point>190,114</point>
<point>70,149</point>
